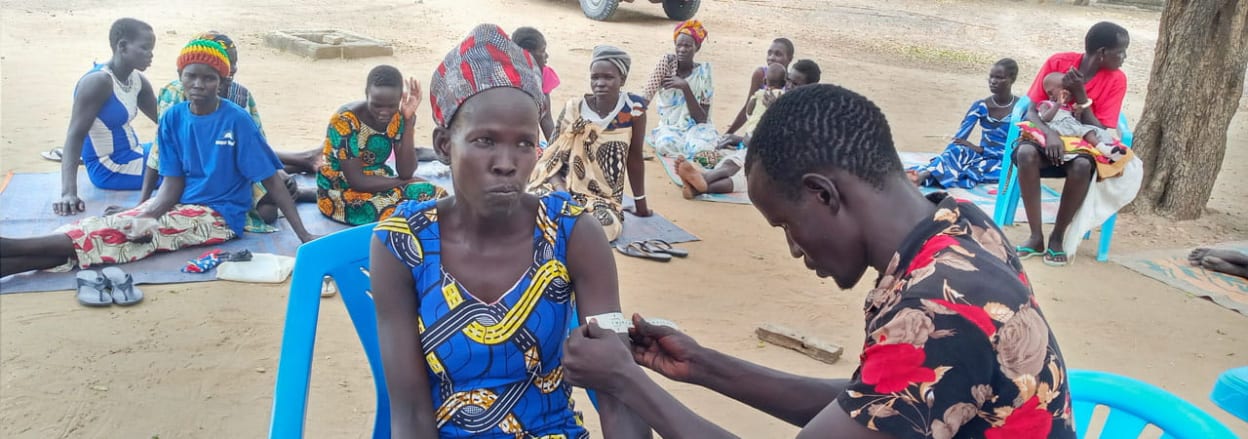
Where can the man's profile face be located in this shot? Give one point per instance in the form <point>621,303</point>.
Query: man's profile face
<point>826,239</point>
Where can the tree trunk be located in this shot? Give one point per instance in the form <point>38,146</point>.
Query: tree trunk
<point>1194,90</point>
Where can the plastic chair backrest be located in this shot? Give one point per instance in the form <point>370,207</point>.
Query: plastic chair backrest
<point>343,256</point>
<point>1134,404</point>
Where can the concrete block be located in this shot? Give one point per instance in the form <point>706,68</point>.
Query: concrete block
<point>327,44</point>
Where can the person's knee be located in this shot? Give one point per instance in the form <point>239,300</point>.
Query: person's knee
<point>1027,154</point>
<point>1080,168</point>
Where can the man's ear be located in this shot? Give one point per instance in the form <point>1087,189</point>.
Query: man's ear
<point>442,144</point>
<point>823,189</point>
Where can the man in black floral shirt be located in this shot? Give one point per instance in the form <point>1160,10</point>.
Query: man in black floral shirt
<point>956,346</point>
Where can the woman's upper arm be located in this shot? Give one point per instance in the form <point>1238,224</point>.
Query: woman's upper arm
<point>92,92</point>
<point>592,268</point>
<point>399,337</point>
<point>756,82</point>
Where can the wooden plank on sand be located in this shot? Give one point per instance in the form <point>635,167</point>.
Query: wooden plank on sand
<point>787,338</point>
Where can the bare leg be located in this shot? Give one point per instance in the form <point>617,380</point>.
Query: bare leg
<point>1214,263</point>
<point>1029,160</point>
<point>26,254</point>
<point>300,162</point>
<point>1225,261</point>
<point>1079,173</point>
<point>719,180</point>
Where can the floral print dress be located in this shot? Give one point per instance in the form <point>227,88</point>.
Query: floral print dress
<point>956,345</point>
<point>349,138</point>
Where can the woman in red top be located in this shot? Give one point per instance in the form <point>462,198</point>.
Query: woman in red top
<point>1096,83</point>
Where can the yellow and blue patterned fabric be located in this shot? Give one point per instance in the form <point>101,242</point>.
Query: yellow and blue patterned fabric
<point>494,368</point>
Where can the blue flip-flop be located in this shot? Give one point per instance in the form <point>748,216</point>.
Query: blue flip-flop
<point>1049,254</point>
<point>1025,253</point>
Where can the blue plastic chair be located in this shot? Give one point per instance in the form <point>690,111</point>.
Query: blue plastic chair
<point>343,256</point>
<point>1134,405</point>
<point>1008,192</point>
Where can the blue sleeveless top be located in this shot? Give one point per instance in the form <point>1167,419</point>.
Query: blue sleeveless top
<point>494,368</point>
<point>111,151</point>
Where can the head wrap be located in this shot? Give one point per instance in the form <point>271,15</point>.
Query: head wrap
<point>613,55</point>
<point>218,37</point>
<point>209,52</point>
<point>486,59</point>
<point>692,28</point>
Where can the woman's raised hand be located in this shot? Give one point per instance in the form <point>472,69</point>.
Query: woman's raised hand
<point>411,100</point>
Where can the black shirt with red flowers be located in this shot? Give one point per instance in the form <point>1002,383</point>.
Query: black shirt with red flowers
<point>956,345</point>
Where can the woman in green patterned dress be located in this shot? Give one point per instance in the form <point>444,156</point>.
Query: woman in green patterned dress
<point>354,184</point>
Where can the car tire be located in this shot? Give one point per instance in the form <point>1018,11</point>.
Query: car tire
<point>679,10</point>
<point>600,10</point>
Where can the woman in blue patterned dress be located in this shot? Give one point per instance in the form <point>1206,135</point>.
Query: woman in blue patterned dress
<point>475,292</point>
<point>965,164</point>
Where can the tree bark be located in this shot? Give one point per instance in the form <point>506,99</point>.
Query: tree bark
<point>1196,83</point>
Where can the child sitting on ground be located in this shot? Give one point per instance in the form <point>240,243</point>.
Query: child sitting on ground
<point>1060,116</point>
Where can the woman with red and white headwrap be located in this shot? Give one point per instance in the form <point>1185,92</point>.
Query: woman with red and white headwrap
<point>475,292</point>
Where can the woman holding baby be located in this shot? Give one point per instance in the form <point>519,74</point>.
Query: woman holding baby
<point>1095,84</point>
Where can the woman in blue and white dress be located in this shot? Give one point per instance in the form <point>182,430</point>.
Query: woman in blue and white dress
<point>964,164</point>
<point>106,99</point>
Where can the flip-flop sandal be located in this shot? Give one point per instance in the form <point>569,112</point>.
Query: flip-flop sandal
<point>55,154</point>
<point>1025,253</point>
<point>93,289</point>
<point>124,292</point>
<point>329,288</point>
<point>1050,254</point>
<point>661,246</point>
<point>637,249</point>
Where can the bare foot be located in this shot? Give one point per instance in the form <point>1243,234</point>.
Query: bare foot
<point>1197,255</point>
<point>1214,263</point>
<point>691,175</point>
<point>1231,256</point>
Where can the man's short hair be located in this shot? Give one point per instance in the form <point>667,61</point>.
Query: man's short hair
<point>822,126</point>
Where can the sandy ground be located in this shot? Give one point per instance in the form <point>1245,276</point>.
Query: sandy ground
<point>197,360</point>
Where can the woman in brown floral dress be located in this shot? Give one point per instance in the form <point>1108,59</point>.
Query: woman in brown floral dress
<point>598,134</point>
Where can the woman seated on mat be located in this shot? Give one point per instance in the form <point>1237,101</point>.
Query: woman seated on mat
<point>780,52</point>
<point>681,90</point>
<point>264,210</point>
<point>106,99</point>
<point>965,164</point>
<point>355,185</point>
<point>204,197</point>
<point>469,350</point>
<point>1096,84</point>
<point>599,136</point>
